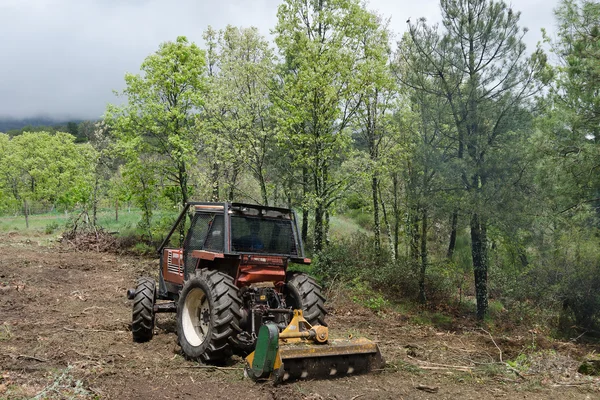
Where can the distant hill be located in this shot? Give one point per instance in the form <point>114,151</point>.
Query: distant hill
<point>11,124</point>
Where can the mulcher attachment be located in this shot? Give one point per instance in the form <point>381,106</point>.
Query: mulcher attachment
<point>302,351</point>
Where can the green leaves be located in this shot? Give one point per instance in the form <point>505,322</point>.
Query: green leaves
<point>157,128</point>
<point>44,166</point>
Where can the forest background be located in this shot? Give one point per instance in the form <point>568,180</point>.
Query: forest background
<point>450,167</point>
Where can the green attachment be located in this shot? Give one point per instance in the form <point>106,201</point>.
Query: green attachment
<point>267,345</point>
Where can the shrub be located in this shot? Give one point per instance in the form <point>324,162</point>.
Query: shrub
<point>51,228</point>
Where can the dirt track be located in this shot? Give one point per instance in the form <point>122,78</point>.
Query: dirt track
<point>64,330</point>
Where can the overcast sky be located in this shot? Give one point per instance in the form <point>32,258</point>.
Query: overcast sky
<point>63,58</point>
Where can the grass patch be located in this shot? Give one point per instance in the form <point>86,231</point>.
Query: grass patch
<point>5,332</point>
<point>401,365</point>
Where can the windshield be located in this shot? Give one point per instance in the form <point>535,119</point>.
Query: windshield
<point>262,235</point>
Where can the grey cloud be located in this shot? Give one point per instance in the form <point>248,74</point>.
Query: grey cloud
<point>63,58</point>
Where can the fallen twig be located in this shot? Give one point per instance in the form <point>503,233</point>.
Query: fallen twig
<point>462,369</point>
<point>212,367</point>
<point>85,310</point>
<point>26,357</point>
<point>91,330</point>
<point>428,389</point>
<point>441,365</point>
<point>516,371</point>
<point>357,396</point>
<point>493,341</point>
<point>557,384</point>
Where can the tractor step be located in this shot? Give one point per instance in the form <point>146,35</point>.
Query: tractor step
<point>168,307</point>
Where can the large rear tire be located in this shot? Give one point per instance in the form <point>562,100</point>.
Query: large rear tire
<point>303,292</point>
<point>208,315</point>
<point>142,320</point>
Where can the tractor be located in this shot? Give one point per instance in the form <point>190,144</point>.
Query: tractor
<point>228,282</point>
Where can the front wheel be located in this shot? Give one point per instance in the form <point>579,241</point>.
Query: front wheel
<point>208,315</point>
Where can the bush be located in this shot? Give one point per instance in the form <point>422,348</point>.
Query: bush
<point>51,228</point>
<point>355,262</point>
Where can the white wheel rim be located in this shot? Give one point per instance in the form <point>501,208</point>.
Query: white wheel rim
<point>195,317</point>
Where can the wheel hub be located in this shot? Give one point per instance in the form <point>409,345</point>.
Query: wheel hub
<point>196,317</point>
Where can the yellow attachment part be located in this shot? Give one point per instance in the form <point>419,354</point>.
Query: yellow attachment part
<point>304,352</point>
<point>299,329</point>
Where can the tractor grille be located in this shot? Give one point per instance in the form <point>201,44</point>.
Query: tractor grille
<point>173,265</point>
<point>263,235</point>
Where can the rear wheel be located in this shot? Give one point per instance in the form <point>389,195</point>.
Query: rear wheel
<point>142,321</point>
<point>303,292</point>
<point>208,315</point>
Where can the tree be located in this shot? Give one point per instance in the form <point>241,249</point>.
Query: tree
<point>239,110</point>
<point>479,65</point>
<point>39,166</point>
<point>378,92</point>
<point>321,42</point>
<point>572,123</point>
<point>158,126</point>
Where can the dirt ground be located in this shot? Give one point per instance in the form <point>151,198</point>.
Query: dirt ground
<point>65,333</point>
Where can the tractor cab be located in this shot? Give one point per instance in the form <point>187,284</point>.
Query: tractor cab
<point>251,243</point>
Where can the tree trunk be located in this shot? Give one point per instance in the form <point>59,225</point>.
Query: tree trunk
<point>388,228</point>
<point>215,182</point>
<point>95,201</point>
<point>414,237</point>
<point>305,211</point>
<point>318,227</point>
<point>26,209</point>
<point>396,213</point>
<point>326,227</point>
<point>480,263</point>
<point>376,225</point>
<point>452,242</point>
<point>117,209</point>
<point>422,297</point>
<point>263,190</point>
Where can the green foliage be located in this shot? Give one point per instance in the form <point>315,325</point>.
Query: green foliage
<point>366,296</point>
<point>157,129</point>
<point>51,228</point>
<point>239,115</point>
<point>40,166</point>
<point>323,46</point>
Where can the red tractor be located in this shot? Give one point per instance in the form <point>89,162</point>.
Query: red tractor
<point>231,289</point>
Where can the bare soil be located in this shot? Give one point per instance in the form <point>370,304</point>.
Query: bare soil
<point>65,333</point>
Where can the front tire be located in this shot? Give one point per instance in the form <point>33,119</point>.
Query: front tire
<point>208,315</point>
<point>303,292</point>
<point>142,319</point>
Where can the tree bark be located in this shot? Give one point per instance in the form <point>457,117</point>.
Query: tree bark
<point>376,224</point>
<point>263,189</point>
<point>26,209</point>
<point>414,237</point>
<point>480,263</point>
<point>453,228</point>
<point>396,213</point>
<point>95,201</point>
<point>215,182</point>
<point>318,227</point>
<point>326,227</point>
<point>422,296</point>
<point>305,212</point>
<point>388,228</point>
